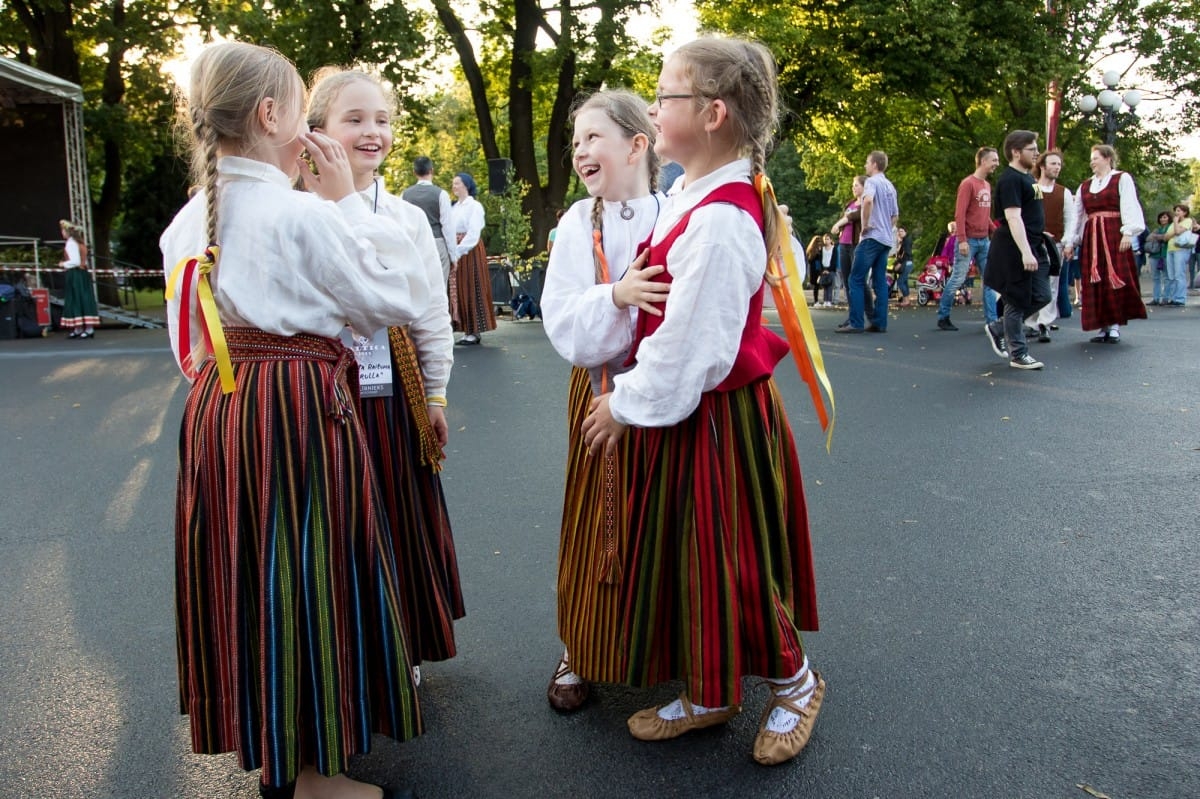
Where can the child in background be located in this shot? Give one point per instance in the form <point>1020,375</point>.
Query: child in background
<point>406,422</point>
<point>719,577</point>
<point>589,304</point>
<point>80,312</point>
<point>291,641</point>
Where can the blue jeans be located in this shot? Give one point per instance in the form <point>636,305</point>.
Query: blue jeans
<point>1177,275</point>
<point>1158,268</point>
<point>977,251</point>
<point>869,256</point>
<point>902,278</point>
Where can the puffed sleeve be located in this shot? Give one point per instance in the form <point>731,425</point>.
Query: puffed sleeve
<point>579,316</point>
<point>1133,221</point>
<point>367,262</point>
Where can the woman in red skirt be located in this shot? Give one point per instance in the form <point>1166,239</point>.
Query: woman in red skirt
<point>1108,218</point>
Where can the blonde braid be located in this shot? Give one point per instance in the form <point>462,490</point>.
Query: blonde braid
<point>208,148</point>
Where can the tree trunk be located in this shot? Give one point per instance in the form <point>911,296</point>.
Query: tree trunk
<point>112,97</point>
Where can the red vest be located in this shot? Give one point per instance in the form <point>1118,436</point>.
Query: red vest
<point>760,349</point>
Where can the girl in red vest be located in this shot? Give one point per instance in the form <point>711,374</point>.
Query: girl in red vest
<point>718,576</point>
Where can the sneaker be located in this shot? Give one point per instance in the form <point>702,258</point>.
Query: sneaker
<point>999,345</point>
<point>946,324</point>
<point>1025,361</point>
<point>847,328</point>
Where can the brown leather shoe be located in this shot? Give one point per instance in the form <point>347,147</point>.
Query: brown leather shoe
<point>773,748</point>
<point>647,725</point>
<point>566,698</point>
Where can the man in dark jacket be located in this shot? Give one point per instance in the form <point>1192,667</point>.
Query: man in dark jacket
<point>1019,263</point>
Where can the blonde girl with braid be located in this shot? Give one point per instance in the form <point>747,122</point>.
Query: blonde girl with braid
<point>405,415</point>
<point>595,287</point>
<point>718,582</point>
<point>291,639</point>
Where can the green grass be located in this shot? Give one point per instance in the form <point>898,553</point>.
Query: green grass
<point>143,299</point>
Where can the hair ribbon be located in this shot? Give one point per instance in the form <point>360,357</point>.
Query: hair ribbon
<point>197,268</point>
<point>785,282</point>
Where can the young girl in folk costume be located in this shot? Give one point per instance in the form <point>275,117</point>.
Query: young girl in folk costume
<point>79,299</point>
<point>470,282</point>
<point>588,307</point>
<point>719,576</point>
<point>1108,217</point>
<point>405,422</point>
<point>291,638</point>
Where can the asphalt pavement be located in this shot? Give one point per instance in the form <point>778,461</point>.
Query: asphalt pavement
<point>1007,566</point>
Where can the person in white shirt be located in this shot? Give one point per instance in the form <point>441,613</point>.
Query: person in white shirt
<point>290,636</point>
<point>1108,217</point>
<point>1060,218</point>
<point>403,415</point>
<point>589,305</point>
<point>471,308</point>
<point>719,573</point>
<point>80,312</point>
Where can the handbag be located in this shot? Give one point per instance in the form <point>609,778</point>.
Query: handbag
<point>1152,246</point>
<point>1185,240</point>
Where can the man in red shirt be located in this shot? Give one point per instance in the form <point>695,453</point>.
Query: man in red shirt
<point>973,222</point>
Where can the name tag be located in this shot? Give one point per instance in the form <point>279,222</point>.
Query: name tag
<point>374,358</point>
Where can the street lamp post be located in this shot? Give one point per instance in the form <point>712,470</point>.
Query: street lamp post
<point>1108,101</point>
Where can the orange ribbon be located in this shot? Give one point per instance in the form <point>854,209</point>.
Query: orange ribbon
<point>785,282</point>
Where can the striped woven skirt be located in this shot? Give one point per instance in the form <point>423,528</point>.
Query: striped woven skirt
<point>407,459</point>
<point>719,579</point>
<point>471,293</point>
<point>595,530</point>
<point>290,635</point>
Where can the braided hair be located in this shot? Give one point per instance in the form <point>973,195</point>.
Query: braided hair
<point>741,74</point>
<point>228,83</point>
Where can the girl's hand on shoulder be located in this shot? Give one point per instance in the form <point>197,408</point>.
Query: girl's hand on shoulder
<point>636,287</point>
<point>601,432</point>
<point>333,180</point>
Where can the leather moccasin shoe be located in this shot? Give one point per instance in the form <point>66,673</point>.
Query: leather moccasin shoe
<point>566,697</point>
<point>773,748</point>
<point>647,725</point>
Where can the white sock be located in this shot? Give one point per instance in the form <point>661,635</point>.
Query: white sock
<point>674,710</point>
<point>1114,331</point>
<point>782,720</point>
<point>570,678</point>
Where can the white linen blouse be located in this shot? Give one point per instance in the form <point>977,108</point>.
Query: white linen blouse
<point>468,219</point>
<point>717,265</point>
<point>431,333</point>
<point>578,315</point>
<point>291,262</point>
<point>1133,221</point>
<point>73,254</point>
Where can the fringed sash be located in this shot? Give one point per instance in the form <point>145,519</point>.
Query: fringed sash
<point>249,344</point>
<point>405,354</point>
<point>1098,239</point>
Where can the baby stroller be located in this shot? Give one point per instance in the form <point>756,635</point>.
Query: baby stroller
<point>932,283</point>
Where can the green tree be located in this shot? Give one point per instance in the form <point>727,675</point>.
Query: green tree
<point>929,81</point>
<point>115,51</point>
<point>529,90</point>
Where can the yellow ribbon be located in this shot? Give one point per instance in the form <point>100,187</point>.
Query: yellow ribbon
<point>795,318</point>
<point>214,336</point>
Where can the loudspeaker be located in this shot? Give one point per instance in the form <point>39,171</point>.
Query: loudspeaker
<point>498,174</point>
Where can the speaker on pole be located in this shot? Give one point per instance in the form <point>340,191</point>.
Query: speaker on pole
<point>498,174</point>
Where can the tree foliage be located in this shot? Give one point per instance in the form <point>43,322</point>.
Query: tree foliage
<point>930,81</point>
